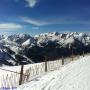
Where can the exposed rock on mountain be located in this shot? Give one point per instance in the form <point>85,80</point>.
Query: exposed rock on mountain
<point>24,49</point>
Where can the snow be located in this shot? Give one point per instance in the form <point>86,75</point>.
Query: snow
<point>73,76</point>
<point>15,49</point>
<point>17,43</point>
<point>11,79</point>
<point>25,39</point>
<point>69,40</point>
<point>28,42</point>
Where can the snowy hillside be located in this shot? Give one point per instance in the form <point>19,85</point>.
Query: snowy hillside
<point>73,76</point>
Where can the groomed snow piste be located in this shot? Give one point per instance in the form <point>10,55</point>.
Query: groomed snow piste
<point>73,76</point>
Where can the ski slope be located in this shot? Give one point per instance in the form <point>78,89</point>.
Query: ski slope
<point>73,76</point>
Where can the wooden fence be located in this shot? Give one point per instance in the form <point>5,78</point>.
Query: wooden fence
<point>14,79</point>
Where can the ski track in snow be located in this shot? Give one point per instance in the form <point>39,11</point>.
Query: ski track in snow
<point>73,76</point>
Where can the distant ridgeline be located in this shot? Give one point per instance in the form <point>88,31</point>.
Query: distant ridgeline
<point>24,49</point>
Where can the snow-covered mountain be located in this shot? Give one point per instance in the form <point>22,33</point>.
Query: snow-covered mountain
<point>23,48</point>
<point>63,39</point>
<point>11,50</point>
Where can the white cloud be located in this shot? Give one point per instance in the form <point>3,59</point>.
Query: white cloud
<point>33,21</point>
<point>31,3</point>
<point>10,26</point>
<point>53,21</point>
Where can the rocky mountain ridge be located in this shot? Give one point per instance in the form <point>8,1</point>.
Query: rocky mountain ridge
<point>24,49</point>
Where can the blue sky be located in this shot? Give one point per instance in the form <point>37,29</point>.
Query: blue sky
<point>38,16</point>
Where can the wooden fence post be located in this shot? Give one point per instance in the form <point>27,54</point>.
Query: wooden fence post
<point>62,60</point>
<point>45,64</point>
<point>21,75</point>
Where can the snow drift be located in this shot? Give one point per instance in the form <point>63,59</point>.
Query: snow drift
<point>73,76</point>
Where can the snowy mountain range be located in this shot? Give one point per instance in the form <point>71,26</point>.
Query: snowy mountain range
<point>24,49</point>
